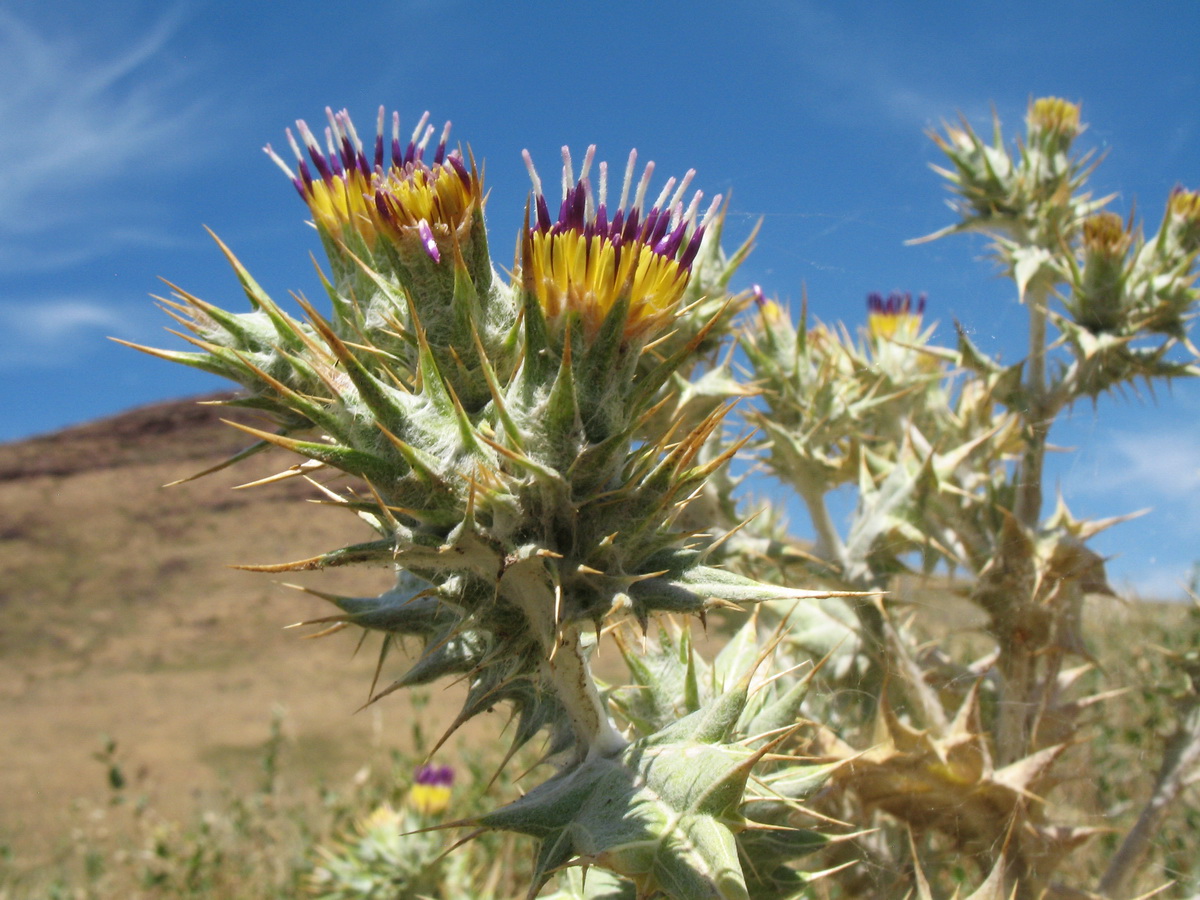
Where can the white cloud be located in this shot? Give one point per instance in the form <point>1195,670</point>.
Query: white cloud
<point>854,82</point>
<point>78,121</point>
<point>46,333</point>
<point>1165,462</point>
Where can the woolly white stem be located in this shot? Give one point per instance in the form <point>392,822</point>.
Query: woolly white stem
<point>564,664</point>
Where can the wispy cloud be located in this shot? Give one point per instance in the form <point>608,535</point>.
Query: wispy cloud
<point>848,77</point>
<point>1163,465</point>
<point>1156,468</point>
<point>49,333</point>
<point>81,123</point>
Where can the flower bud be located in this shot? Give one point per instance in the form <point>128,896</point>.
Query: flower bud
<point>1053,123</point>
<point>1099,299</point>
<point>1183,220</point>
<point>984,177</point>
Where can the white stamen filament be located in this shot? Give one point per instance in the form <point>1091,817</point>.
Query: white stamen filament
<point>712,211</point>
<point>629,166</point>
<point>417,131</point>
<point>643,185</point>
<point>307,136</point>
<point>334,126</point>
<point>683,186</point>
<point>279,162</point>
<point>295,147</point>
<point>533,175</point>
<point>587,161</point>
<point>424,142</point>
<point>661,199</point>
<point>348,130</point>
<point>568,176</point>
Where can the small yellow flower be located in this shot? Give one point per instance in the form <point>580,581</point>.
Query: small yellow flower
<point>1055,117</point>
<point>1183,218</point>
<point>772,313</point>
<point>586,262</point>
<point>896,318</point>
<point>382,818</point>
<point>1185,204</point>
<point>1104,235</point>
<point>430,793</point>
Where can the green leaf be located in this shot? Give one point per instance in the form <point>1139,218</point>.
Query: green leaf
<point>660,814</point>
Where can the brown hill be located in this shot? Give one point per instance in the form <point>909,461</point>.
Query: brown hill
<point>119,615</point>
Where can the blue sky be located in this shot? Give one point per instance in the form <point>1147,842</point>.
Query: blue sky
<point>126,130</point>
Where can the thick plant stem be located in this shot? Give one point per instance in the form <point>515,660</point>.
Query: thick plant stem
<point>1028,504</point>
<point>1019,640</point>
<point>1019,670</point>
<point>829,543</point>
<point>567,670</point>
<point>564,663</point>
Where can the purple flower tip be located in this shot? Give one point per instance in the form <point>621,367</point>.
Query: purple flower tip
<point>431,246</point>
<point>442,776</point>
<point>897,303</point>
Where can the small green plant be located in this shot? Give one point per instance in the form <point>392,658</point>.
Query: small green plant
<point>541,459</point>
<point>388,856</point>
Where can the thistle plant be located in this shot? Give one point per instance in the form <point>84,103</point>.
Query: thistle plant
<point>946,448</point>
<point>389,855</point>
<point>507,442</point>
<point>542,460</point>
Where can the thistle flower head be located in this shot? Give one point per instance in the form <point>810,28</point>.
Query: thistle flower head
<point>430,793</point>
<point>896,317</point>
<point>775,331</point>
<point>590,259</point>
<point>1183,219</point>
<point>1053,125</point>
<point>770,310</point>
<point>1099,300</point>
<point>1030,195</point>
<point>1104,234</point>
<point>1054,118</point>
<point>402,198</point>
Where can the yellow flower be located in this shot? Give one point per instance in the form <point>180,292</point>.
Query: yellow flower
<point>430,793</point>
<point>1185,204</point>
<point>586,262</point>
<point>896,318</point>
<point>1054,116</point>
<point>382,818</point>
<point>1104,234</point>
<point>403,201</point>
<point>1183,218</point>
